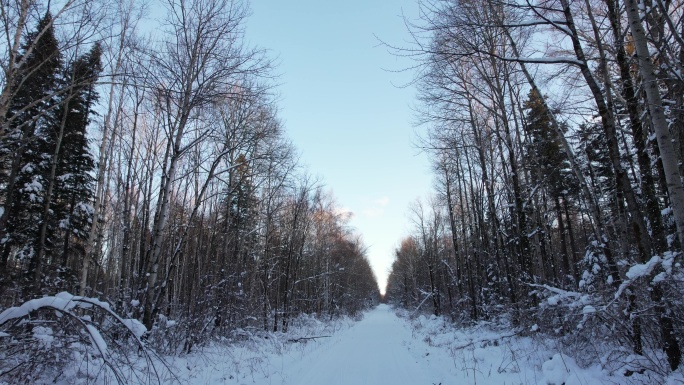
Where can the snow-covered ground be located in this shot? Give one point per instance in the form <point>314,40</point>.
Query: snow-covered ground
<point>383,348</point>
<point>379,348</point>
<point>488,354</point>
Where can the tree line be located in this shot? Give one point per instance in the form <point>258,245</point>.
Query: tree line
<point>555,130</point>
<point>142,161</point>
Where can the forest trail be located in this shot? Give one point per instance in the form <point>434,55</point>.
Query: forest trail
<point>380,349</point>
<point>384,349</point>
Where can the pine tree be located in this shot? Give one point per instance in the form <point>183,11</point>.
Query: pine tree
<point>238,222</point>
<point>67,199</point>
<point>544,151</point>
<point>550,168</point>
<point>31,107</point>
<point>75,182</point>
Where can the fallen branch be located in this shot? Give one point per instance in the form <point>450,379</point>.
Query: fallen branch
<point>303,339</point>
<point>481,340</point>
<point>427,295</point>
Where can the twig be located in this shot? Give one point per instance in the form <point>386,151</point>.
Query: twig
<point>300,339</point>
<point>461,347</point>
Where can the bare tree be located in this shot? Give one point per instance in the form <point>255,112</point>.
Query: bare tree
<point>202,60</point>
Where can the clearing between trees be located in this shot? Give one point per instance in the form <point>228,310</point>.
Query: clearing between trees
<point>384,348</point>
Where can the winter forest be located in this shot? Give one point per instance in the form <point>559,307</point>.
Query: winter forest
<point>556,133</point>
<point>152,205</point>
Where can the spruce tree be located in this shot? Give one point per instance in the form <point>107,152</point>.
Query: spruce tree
<point>67,201</point>
<point>544,153</point>
<point>32,106</point>
<point>550,168</point>
<point>75,190</point>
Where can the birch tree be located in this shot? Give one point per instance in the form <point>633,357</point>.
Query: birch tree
<point>201,60</point>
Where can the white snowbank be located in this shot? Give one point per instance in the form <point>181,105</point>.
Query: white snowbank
<point>563,370</point>
<point>488,354</point>
<point>382,348</point>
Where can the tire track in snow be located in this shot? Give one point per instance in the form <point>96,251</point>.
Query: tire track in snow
<point>378,350</point>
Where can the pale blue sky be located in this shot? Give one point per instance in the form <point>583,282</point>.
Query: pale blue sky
<point>340,108</point>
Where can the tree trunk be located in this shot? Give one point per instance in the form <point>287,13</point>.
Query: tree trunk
<point>600,231</point>
<point>667,155</point>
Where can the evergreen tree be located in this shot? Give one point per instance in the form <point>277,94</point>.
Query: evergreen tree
<point>544,152</point>
<point>67,198</point>
<point>238,222</point>
<point>550,168</point>
<point>75,182</point>
<point>31,107</point>
<point>593,143</point>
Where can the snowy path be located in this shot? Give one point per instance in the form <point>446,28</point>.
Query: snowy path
<point>379,349</point>
<point>383,349</point>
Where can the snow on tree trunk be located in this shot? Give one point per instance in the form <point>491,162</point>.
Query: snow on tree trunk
<point>667,156</point>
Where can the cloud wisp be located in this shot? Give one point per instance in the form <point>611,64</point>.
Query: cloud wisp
<point>377,208</point>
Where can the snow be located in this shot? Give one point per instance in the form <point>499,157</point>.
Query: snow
<point>644,269</point>
<point>65,302</point>
<point>383,348</point>
<point>97,339</point>
<point>86,208</point>
<point>668,260</point>
<point>64,177</point>
<point>379,348</point>
<point>34,304</point>
<point>562,370</point>
<point>135,326</point>
<point>28,168</point>
<point>573,298</point>
<point>44,335</point>
<point>588,310</point>
<point>609,280</point>
<point>485,354</point>
<point>33,186</point>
